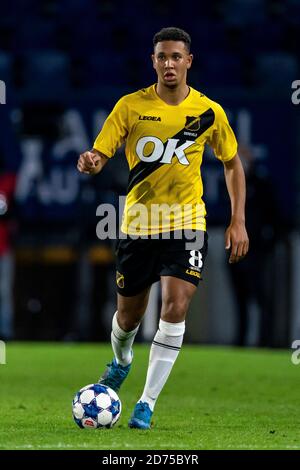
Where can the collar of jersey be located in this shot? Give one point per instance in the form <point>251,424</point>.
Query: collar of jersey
<point>183,102</point>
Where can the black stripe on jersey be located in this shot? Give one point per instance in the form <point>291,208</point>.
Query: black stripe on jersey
<point>166,346</point>
<point>144,169</point>
<point>140,172</point>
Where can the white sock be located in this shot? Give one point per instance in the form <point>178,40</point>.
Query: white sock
<point>163,353</point>
<point>122,342</point>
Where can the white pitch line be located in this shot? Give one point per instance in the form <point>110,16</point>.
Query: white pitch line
<point>247,446</point>
<point>62,445</point>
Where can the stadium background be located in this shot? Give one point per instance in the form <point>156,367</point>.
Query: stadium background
<point>65,63</point>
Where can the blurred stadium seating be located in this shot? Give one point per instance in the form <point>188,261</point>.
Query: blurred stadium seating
<point>110,38</point>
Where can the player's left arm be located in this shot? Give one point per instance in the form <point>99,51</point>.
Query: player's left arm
<point>236,236</point>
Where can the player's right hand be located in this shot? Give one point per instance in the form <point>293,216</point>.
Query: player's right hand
<point>89,163</point>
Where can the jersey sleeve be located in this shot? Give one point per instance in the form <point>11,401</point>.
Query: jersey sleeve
<point>223,140</point>
<point>114,131</point>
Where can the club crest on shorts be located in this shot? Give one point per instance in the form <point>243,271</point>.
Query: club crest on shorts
<point>120,280</point>
<point>192,123</point>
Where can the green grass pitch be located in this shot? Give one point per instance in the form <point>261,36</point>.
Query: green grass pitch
<point>216,398</point>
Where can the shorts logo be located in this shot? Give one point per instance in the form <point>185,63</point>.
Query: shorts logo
<point>196,259</point>
<point>120,280</point>
<point>193,273</point>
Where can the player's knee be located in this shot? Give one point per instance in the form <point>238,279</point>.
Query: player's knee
<point>174,310</point>
<point>128,325</point>
<point>126,321</point>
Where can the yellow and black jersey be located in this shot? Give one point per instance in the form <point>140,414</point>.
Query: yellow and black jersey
<point>164,148</point>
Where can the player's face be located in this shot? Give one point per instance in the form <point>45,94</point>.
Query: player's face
<point>171,61</point>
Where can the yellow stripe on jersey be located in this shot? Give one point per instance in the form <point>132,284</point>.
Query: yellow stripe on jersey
<point>164,148</point>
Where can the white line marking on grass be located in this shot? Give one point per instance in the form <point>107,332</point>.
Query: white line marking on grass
<point>247,446</point>
<point>85,445</point>
<point>60,445</point>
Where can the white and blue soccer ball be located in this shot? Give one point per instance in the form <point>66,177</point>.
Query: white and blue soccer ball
<point>96,406</point>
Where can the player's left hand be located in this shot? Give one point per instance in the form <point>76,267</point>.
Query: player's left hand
<point>236,238</point>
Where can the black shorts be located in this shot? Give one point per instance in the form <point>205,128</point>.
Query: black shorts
<point>143,261</point>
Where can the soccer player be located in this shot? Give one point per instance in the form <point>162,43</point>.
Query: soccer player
<point>165,128</point>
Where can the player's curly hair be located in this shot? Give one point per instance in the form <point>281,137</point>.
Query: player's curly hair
<point>173,34</point>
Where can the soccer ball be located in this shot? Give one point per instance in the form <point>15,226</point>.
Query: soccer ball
<point>96,406</point>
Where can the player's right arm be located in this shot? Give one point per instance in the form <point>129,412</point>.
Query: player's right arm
<point>91,162</point>
<point>112,135</point>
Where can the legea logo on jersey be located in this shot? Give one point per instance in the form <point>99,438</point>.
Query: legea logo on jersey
<point>163,152</point>
<point>149,118</point>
